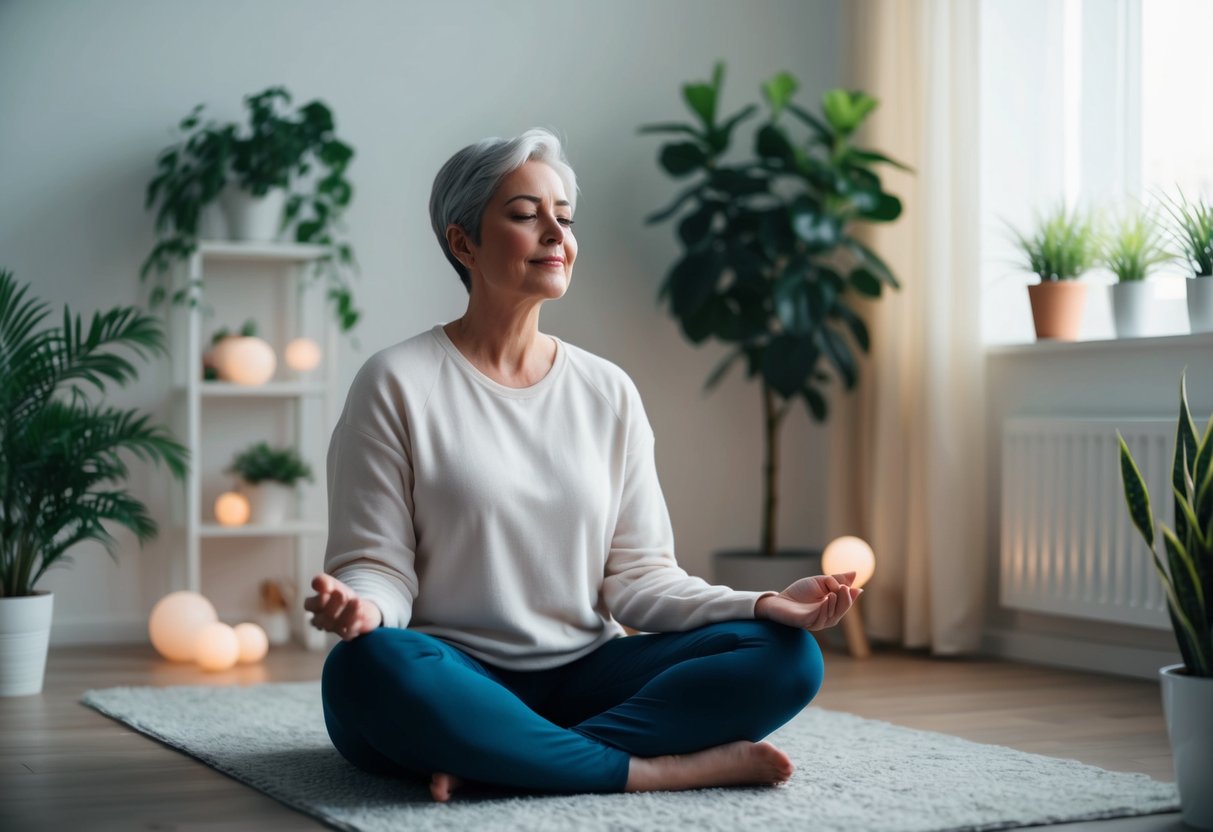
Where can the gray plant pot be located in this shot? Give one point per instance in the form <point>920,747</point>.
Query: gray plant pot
<point>749,569</point>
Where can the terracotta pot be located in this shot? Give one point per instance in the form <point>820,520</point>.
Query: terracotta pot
<point>1057,308</point>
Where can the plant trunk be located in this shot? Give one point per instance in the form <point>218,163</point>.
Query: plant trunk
<point>772,418</point>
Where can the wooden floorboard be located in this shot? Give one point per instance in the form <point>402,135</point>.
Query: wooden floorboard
<point>64,766</point>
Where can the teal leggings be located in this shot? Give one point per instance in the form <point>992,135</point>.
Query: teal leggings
<point>405,703</point>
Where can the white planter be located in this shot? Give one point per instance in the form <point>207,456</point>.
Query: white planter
<point>212,224</point>
<point>1132,302</point>
<point>1200,304</point>
<point>250,218</point>
<point>269,502</point>
<point>749,570</point>
<point>1187,703</point>
<point>25,629</point>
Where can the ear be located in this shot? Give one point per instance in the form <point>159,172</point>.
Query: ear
<point>460,245</point>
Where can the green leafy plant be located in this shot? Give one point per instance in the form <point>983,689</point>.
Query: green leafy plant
<point>770,264</point>
<point>1062,246</point>
<point>1187,576</point>
<point>1194,232</point>
<point>1136,247</point>
<point>260,462</point>
<point>275,150</point>
<point>60,466</point>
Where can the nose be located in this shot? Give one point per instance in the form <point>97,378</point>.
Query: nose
<point>554,233</point>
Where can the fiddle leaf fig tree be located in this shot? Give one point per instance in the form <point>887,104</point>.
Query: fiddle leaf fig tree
<point>770,266</point>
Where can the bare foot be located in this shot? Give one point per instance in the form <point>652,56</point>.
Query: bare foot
<point>739,763</point>
<point>443,785</point>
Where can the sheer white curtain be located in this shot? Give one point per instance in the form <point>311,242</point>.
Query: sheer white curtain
<point>906,466</point>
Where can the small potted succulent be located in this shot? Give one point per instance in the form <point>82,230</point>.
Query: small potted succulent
<point>256,172</point>
<point>771,265</point>
<point>62,472</point>
<point>1187,577</point>
<point>268,478</point>
<point>1132,251</point>
<point>1194,239</point>
<point>1062,247</point>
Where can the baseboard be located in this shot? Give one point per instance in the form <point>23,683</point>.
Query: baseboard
<point>1076,654</point>
<point>100,631</point>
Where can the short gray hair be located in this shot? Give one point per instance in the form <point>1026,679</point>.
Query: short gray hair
<point>465,184</point>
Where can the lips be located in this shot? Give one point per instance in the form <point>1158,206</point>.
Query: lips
<point>550,261</point>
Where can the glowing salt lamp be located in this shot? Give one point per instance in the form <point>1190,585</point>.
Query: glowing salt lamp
<point>254,643</point>
<point>847,554</point>
<point>232,509</point>
<point>216,647</point>
<point>244,359</point>
<point>302,355</point>
<point>176,621</point>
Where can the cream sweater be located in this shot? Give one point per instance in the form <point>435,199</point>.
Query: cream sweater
<point>519,524</point>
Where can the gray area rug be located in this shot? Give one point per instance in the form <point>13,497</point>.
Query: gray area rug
<point>851,774</point>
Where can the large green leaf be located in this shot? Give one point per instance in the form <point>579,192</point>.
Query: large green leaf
<point>886,208</point>
<point>694,226</point>
<point>846,110</point>
<point>787,362</point>
<point>816,404</point>
<point>859,330</point>
<point>736,183</point>
<point>772,143</point>
<point>701,98</point>
<point>835,347</point>
<point>693,280</point>
<point>778,91</point>
<point>1137,498</point>
<point>682,158</point>
<point>865,283</point>
<point>719,138</point>
<point>790,297</point>
<point>855,155</point>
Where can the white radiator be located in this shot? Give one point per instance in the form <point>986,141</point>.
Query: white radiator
<point>1068,545</point>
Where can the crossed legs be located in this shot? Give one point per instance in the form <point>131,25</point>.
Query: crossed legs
<point>659,711</point>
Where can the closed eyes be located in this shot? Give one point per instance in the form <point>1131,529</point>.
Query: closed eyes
<point>564,220</point>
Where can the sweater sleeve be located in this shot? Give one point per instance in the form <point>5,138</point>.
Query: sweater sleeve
<point>371,537</point>
<point>644,586</point>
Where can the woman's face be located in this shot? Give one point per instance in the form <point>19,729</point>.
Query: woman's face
<point>526,237</point>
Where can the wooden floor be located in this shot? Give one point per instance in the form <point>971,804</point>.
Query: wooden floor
<point>66,767</point>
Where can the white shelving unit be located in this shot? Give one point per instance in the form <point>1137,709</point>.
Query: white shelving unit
<point>265,282</point>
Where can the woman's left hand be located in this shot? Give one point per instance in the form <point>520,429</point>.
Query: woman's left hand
<point>811,603</point>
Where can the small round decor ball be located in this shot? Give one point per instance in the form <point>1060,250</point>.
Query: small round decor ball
<point>847,554</point>
<point>232,509</point>
<point>254,643</point>
<point>302,355</point>
<point>176,621</point>
<point>244,359</point>
<point>217,647</point>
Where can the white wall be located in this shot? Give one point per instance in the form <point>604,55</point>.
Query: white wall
<point>90,92</point>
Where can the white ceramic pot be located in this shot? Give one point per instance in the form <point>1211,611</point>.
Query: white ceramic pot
<point>1187,703</point>
<point>25,629</point>
<point>1200,304</point>
<point>270,502</point>
<point>1132,301</point>
<point>251,218</point>
<point>746,569</point>
<point>212,223</point>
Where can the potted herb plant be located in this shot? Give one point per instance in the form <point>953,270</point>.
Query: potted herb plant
<point>1061,248</point>
<point>770,265</point>
<point>255,171</point>
<point>1133,250</point>
<point>268,478</point>
<point>1194,239</point>
<point>61,474</point>
<point>1187,577</point>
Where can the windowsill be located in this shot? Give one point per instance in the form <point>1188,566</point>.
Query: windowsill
<point>1103,345</point>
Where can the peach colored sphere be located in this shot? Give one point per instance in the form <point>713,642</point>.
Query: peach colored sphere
<point>848,554</point>
<point>302,355</point>
<point>232,509</point>
<point>217,647</point>
<point>254,643</point>
<point>244,359</point>
<point>175,622</point>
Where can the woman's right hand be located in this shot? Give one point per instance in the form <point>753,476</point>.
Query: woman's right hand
<point>337,608</point>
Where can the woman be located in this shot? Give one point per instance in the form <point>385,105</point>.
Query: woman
<point>493,490</point>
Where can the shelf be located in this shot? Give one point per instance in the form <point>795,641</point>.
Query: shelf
<point>281,252</point>
<point>289,529</point>
<point>269,390</point>
<point>1052,347</point>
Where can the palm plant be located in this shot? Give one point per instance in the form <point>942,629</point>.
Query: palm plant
<point>1194,234</point>
<point>1062,246</point>
<point>1136,247</point>
<point>1188,574</point>
<point>59,451</point>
